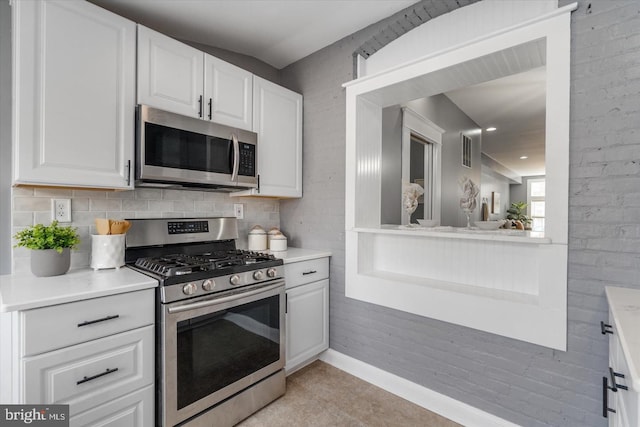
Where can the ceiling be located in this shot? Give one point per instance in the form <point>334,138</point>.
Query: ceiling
<point>278,32</point>
<point>515,105</point>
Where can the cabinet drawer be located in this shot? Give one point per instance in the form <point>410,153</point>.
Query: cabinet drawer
<point>299,273</point>
<point>133,410</point>
<point>87,375</point>
<point>59,326</point>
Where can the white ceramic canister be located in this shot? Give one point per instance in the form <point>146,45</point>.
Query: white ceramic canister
<point>107,251</point>
<point>257,240</point>
<point>272,232</point>
<point>278,242</point>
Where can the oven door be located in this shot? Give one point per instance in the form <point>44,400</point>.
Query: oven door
<point>214,347</point>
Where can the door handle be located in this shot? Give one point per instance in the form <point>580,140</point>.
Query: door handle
<point>605,399</point>
<point>200,106</point>
<point>210,108</point>
<point>236,157</point>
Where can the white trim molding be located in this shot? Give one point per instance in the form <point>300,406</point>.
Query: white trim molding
<point>433,401</point>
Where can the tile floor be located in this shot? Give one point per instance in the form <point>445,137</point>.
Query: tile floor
<point>320,395</point>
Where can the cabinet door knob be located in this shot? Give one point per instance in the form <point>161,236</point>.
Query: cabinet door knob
<point>605,329</point>
<point>200,106</point>
<point>210,108</point>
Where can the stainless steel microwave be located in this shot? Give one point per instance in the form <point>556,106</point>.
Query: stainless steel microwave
<point>175,151</point>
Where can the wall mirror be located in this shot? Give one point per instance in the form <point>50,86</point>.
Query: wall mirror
<point>484,119</point>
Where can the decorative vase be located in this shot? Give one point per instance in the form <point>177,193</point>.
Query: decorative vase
<point>48,262</point>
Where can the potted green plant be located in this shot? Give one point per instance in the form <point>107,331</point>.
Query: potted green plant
<point>517,212</point>
<point>51,247</point>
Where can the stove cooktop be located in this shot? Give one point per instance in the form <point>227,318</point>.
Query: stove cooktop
<point>174,268</point>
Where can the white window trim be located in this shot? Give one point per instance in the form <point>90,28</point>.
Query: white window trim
<point>413,122</point>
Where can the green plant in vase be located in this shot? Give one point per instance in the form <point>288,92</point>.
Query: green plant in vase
<point>51,247</point>
<point>518,212</point>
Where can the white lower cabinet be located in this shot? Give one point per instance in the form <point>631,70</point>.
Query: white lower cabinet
<point>307,324</point>
<point>620,388</point>
<point>102,365</point>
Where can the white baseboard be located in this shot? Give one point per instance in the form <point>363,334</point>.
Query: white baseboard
<point>435,402</point>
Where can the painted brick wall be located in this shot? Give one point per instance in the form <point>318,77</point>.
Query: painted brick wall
<point>33,206</point>
<point>523,383</point>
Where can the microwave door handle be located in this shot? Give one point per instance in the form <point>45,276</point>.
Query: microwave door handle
<point>236,157</point>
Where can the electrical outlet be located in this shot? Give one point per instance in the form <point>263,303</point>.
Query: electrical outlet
<point>238,208</point>
<point>61,210</point>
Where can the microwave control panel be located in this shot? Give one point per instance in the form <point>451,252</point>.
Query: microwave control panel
<point>247,166</point>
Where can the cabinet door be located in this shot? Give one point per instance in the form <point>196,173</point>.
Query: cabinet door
<point>277,118</point>
<point>133,410</point>
<point>87,375</point>
<point>74,82</point>
<point>307,322</point>
<point>228,93</point>
<point>170,74</point>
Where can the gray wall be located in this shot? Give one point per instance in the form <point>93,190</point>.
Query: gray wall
<point>494,182</point>
<point>391,166</point>
<point>5,138</point>
<point>444,113</point>
<point>524,383</point>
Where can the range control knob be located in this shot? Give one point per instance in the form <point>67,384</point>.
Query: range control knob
<point>235,280</point>
<point>208,285</point>
<point>258,275</point>
<point>271,272</point>
<point>189,289</point>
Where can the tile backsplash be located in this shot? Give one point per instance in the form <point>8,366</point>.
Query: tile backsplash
<point>33,206</point>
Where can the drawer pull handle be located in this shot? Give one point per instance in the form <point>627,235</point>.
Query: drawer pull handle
<point>91,322</point>
<point>605,329</point>
<point>102,374</point>
<point>304,273</point>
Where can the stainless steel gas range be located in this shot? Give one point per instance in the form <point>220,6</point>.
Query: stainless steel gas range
<point>220,320</point>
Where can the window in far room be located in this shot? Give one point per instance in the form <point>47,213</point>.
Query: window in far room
<point>536,203</point>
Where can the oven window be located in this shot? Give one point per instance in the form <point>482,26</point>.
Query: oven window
<point>173,148</point>
<point>221,348</point>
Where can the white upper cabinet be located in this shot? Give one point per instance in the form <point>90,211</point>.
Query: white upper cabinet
<point>277,119</point>
<point>169,74</point>
<point>175,77</point>
<point>74,95</point>
<point>228,92</point>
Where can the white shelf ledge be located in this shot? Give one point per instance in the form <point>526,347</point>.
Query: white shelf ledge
<point>512,236</point>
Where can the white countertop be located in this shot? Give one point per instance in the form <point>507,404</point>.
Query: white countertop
<point>298,254</point>
<point>26,291</point>
<point>625,309</point>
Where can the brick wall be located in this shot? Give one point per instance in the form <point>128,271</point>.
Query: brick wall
<point>523,383</point>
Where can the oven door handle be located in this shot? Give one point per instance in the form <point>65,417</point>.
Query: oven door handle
<point>217,301</point>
